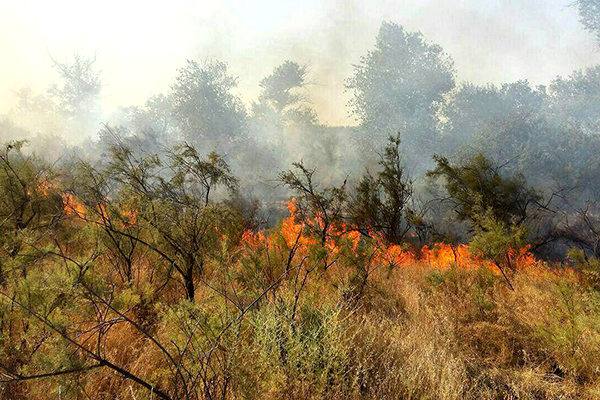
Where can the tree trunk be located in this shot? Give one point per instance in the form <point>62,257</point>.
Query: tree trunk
<point>190,289</point>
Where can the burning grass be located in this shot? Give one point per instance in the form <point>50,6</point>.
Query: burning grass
<point>340,238</point>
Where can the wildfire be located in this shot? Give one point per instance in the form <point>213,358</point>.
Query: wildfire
<point>292,230</point>
<point>46,187</point>
<point>295,234</point>
<point>393,254</point>
<point>439,255</point>
<point>443,256</point>
<point>523,257</point>
<point>74,207</point>
<point>253,239</point>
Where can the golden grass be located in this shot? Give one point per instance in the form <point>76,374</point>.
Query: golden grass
<point>416,332</point>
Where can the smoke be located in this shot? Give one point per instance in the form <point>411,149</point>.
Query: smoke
<point>140,45</point>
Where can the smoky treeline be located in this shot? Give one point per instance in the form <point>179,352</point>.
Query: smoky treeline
<point>404,87</point>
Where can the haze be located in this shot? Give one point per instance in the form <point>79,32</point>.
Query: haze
<point>139,45</point>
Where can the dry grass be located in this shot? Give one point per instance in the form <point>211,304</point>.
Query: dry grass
<point>416,333</point>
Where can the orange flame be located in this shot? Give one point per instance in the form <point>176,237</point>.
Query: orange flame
<point>439,255</point>
<point>253,239</point>
<point>292,231</point>
<point>395,255</point>
<point>73,206</point>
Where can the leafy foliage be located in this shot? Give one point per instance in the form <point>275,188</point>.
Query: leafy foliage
<point>589,10</point>
<point>477,187</point>
<point>381,202</point>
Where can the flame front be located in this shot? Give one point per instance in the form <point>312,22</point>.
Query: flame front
<point>439,255</point>
<point>296,235</point>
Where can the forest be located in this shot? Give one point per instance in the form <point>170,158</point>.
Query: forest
<point>445,246</point>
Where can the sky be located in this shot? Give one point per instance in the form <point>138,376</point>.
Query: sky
<point>139,45</point>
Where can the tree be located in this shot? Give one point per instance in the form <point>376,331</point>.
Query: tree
<point>35,114</point>
<point>69,109</point>
<point>80,86</point>
<point>575,101</point>
<point>283,117</point>
<point>281,95</point>
<point>173,201</point>
<point>477,188</point>
<point>149,127</point>
<point>204,109</point>
<point>576,226</point>
<point>380,202</point>
<point>548,133</point>
<point>285,125</point>
<point>320,209</point>
<point>399,85</point>
<point>77,95</point>
<point>497,207</point>
<point>589,12</point>
<point>496,241</point>
<point>474,109</point>
<point>29,206</point>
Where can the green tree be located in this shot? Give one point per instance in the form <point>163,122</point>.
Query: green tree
<point>282,96</point>
<point>80,86</point>
<point>497,241</point>
<point>477,187</point>
<point>381,202</point>
<point>589,12</point>
<point>473,109</point>
<point>29,206</point>
<point>172,199</point>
